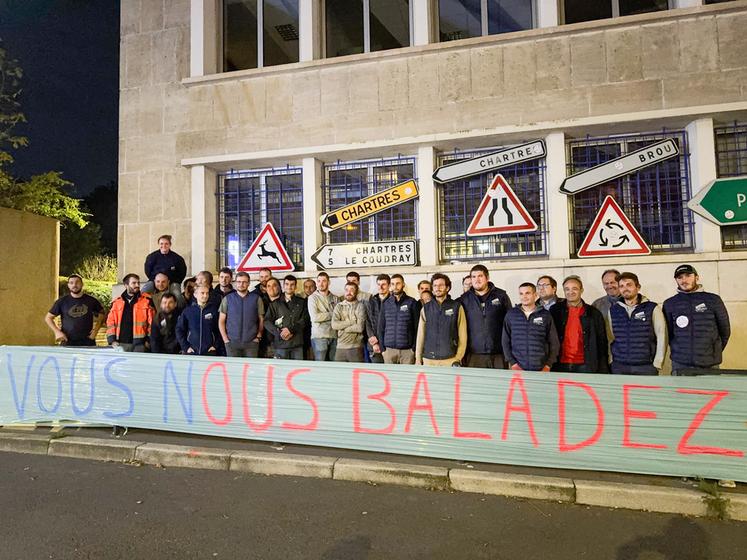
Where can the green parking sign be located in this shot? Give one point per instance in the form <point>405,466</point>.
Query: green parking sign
<point>723,201</point>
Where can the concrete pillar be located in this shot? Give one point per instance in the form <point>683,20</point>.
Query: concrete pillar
<point>204,37</point>
<point>427,207</point>
<point>548,14</point>
<point>312,210</point>
<point>686,3</point>
<point>424,13</point>
<point>204,219</point>
<point>558,236</point>
<point>309,30</point>
<point>702,171</point>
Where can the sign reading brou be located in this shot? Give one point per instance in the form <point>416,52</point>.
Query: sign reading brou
<point>659,425</point>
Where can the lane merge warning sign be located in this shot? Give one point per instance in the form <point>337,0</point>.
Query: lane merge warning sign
<point>500,211</point>
<point>612,234</point>
<point>365,207</point>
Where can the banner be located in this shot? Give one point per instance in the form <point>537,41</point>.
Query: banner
<point>683,426</point>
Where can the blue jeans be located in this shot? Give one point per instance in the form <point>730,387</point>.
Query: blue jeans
<point>289,353</point>
<point>324,349</point>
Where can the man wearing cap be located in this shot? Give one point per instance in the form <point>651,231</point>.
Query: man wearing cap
<point>697,324</point>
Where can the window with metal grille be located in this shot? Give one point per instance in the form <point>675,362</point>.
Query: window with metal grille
<point>247,200</point>
<point>654,198</point>
<point>348,182</point>
<point>731,161</point>
<point>459,200</point>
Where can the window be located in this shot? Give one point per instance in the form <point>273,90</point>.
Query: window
<point>731,161</point>
<point>459,200</point>
<point>345,183</point>
<point>460,19</point>
<point>258,33</point>
<point>247,200</point>
<point>654,198</point>
<point>357,26</point>
<point>583,10</point>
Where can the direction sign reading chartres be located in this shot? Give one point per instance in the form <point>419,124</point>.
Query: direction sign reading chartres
<point>723,201</point>
<point>365,207</point>
<point>488,162</point>
<point>383,253</point>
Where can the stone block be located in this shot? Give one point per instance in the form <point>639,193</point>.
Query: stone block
<point>422,83</point>
<point>307,96</point>
<point>165,55</point>
<point>661,50</point>
<point>364,88</point>
<point>150,152</point>
<point>737,508</point>
<point>175,108</point>
<point>732,40</point>
<point>183,456</point>
<point>335,90</point>
<point>553,63</point>
<point>94,448</point>
<point>129,19</point>
<point>282,464</point>
<point>177,194</point>
<point>703,88</point>
<point>150,200</point>
<point>151,15</point>
<point>588,59</point>
<point>554,105</point>
<point>513,485</point>
<point>137,56</point>
<point>640,497</point>
<point>519,68</point>
<point>454,80</point>
<point>420,476</point>
<point>486,66</point>
<point>127,208</point>
<point>426,120</point>
<point>176,13</point>
<point>200,107</point>
<point>361,127</point>
<point>35,444</point>
<point>480,114</point>
<point>150,111</point>
<point>129,106</point>
<point>623,47</point>
<point>393,84</point>
<point>226,104</point>
<point>626,97</point>
<point>698,44</point>
<point>199,143</point>
<point>279,100</point>
<point>253,101</point>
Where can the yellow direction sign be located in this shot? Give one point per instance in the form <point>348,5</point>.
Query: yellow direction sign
<point>365,207</point>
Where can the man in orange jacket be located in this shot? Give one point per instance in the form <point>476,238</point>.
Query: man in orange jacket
<point>129,321</point>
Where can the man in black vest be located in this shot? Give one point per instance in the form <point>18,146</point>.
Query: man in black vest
<point>442,332</point>
<point>530,341</point>
<point>398,323</point>
<point>373,309</point>
<point>485,307</point>
<point>286,320</point>
<point>163,330</point>
<point>638,332</point>
<point>241,320</point>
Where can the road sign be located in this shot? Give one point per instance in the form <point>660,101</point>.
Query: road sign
<point>365,207</point>
<point>500,211</point>
<point>618,167</point>
<point>723,201</point>
<point>612,233</point>
<point>267,251</point>
<point>384,253</point>
<point>495,160</point>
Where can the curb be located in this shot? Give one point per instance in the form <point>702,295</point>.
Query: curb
<point>639,497</point>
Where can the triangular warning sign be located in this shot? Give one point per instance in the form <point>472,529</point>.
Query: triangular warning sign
<point>266,251</point>
<point>500,212</point>
<point>612,233</point>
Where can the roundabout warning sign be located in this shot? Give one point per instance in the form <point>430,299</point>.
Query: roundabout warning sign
<point>612,234</point>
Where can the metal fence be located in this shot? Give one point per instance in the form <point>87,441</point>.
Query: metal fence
<point>654,198</point>
<point>247,200</point>
<point>459,200</point>
<point>731,161</point>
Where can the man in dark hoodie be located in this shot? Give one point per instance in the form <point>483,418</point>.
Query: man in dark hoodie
<point>163,331</point>
<point>197,327</point>
<point>286,320</point>
<point>129,321</point>
<point>485,306</point>
<point>225,283</point>
<point>167,261</point>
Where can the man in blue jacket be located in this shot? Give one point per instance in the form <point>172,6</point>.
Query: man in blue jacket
<point>398,324</point>
<point>485,306</point>
<point>530,341</point>
<point>697,324</point>
<point>197,327</point>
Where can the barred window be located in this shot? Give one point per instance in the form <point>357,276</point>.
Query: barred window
<point>654,198</point>
<point>731,161</point>
<point>247,200</point>
<point>459,200</point>
<point>348,182</point>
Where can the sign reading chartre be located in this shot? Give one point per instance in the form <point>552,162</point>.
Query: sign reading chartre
<point>495,160</point>
<point>723,201</point>
<point>382,253</point>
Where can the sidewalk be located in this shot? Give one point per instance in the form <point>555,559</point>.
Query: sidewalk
<point>591,488</point>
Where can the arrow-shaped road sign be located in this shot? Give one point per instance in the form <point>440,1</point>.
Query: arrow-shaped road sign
<point>384,253</point>
<point>495,160</point>
<point>618,167</point>
<point>365,207</point>
<point>723,201</point>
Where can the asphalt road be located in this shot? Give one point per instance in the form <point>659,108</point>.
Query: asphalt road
<point>55,508</point>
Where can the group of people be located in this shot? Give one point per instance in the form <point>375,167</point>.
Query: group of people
<point>622,332</point>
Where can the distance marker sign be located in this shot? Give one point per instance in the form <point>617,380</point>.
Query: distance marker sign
<point>365,207</point>
<point>618,167</point>
<point>488,162</point>
<point>383,253</point>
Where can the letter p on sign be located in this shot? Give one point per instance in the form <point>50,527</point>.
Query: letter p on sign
<point>741,199</point>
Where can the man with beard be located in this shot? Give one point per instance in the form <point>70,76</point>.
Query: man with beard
<point>241,320</point>
<point>129,321</point>
<point>321,304</point>
<point>163,331</point>
<point>442,332</point>
<point>373,309</point>
<point>167,261</point>
<point>81,314</point>
<point>197,327</point>
<point>224,287</point>
<point>286,320</point>
<point>349,320</point>
<point>398,323</point>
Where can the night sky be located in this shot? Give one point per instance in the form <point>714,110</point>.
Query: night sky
<point>69,51</point>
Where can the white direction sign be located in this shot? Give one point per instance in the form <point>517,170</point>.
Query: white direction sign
<point>618,167</point>
<point>267,251</point>
<point>612,234</point>
<point>382,253</point>
<point>500,211</point>
<point>495,160</point>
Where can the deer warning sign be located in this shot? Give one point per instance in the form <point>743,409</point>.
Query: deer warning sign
<point>612,234</point>
<point>500,211</point>
<point>266,251</point>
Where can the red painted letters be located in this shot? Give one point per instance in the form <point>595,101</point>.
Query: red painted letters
<point>629,413</point>
<point>256,426</point>
<point>457,412</point>
<point>421,380</point>
<point>518,381</point>
<point>563,445</point>
<point>229,406</point>
<point>375,397</point>
<point>683,446</point>
<point>312,425</point>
